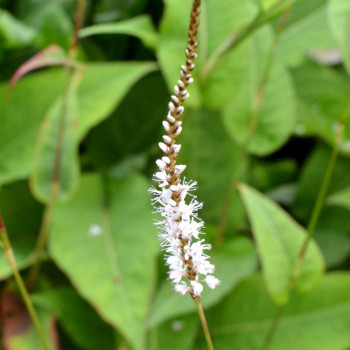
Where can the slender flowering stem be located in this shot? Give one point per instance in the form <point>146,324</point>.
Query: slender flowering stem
<point>180,226</point>
<point>6,246</point>
<point>204,323</point>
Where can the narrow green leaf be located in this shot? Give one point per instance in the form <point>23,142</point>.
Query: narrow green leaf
<point>104,240</point>
<point>55,165</point>
<point>141,27</point>
<point>235,261</point>
<point>339,18</point>
<point>279,239</point>
<point>316,320</point>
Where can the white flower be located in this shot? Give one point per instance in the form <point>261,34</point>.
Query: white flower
<point>181,288</point>
<point>211,281</point>
<point>197,288</point>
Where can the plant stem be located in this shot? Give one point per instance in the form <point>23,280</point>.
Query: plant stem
<point>273,328</point>
<point>40,246</point>
<point>204,323</point>
<point>6,245</point>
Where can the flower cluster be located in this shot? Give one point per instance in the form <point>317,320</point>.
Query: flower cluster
<point>180,227</point>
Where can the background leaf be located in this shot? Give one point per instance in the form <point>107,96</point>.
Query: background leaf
<point>77,317</point>
<point>22,216</point>
<point>141,27</point>
<point>18,332</point>
<point>103,87</point>
<point>279,240</point>
<point>339,18</point>
<point>115,228</point>
<point>267,131</point>
<point>176,334</point>
<point>307,30</point>
<point>316,320</point>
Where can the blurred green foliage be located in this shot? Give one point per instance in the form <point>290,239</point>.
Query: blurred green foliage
<point>79,133</point>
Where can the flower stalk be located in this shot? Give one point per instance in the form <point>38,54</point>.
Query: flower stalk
<point>180,227</point>
<point>6,246</point>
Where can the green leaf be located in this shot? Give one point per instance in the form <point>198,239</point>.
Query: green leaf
<point>22,216</point>
<point>55,166</point>
<point>279,240</point>
<point>219,20</point>
<point>14,32</point>
<point>141,27</point>
<point>114,240</point>
<point>311,179</point>
<point>20,119</point>
<point>321,98</point>
<point>339,18</point>
<point>18,332</point>
<point>316,320</point>
<point>265,131</point>
<point>53,25</point>
<point>269,174</point>
<point>124,133</point>
<point>341,198</point>
<point>103,87</point>
<point>307,30</point>
<point>332,235</point>
<point>176,334</point>
<point>235,261</point>
<point>209,150</point>
<point>70,309</point>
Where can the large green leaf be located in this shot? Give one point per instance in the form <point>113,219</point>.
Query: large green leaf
<point>176,334</point>
<point>104,240</point>
<point>103,87</point>
<point>339,18</point>
<point>22,216</point>
<point>124,132</point>
<point>233,262</point>
<point>307,30</point>
<point>219,20</point>
<point>141,27</point>
<point>316,320</point>
<point>70,309</point>
<point>279,240</point>
<point>206,147</point>
<point>321,99</point>
<point>264,130</point>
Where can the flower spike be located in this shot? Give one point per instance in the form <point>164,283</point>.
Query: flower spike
<point>180,227</point>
